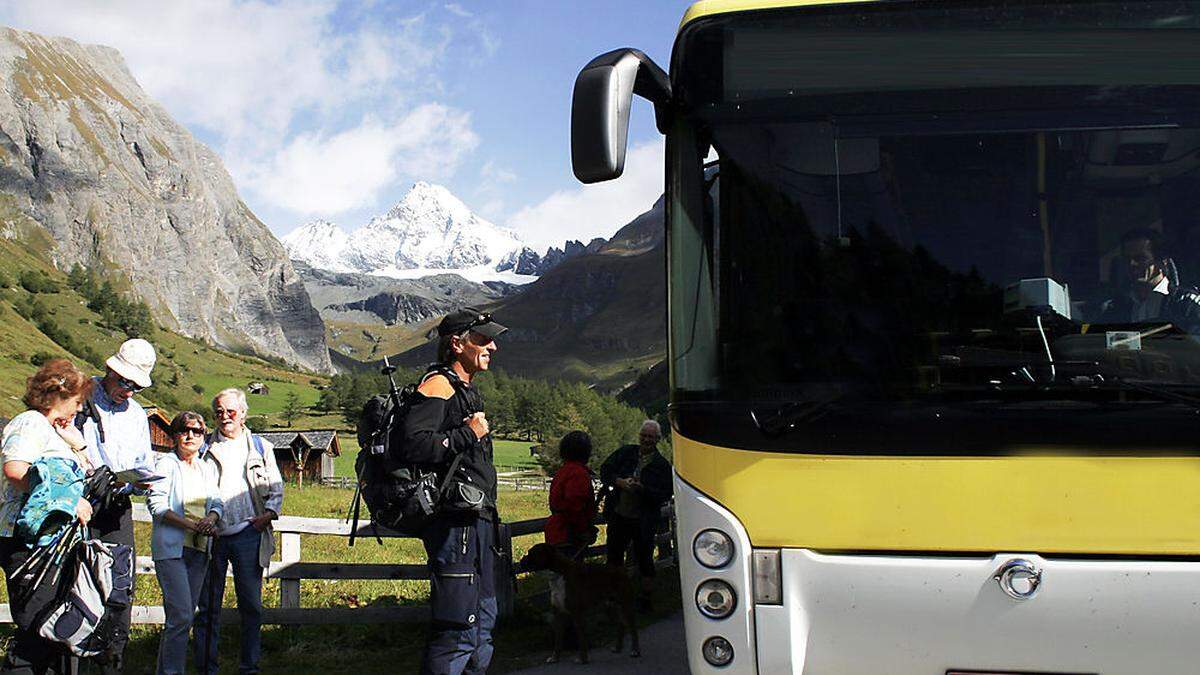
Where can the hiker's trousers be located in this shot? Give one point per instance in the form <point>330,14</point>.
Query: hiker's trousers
<point>462,563</point>
<point>239,552</point>
<point>180,579</point>
<point>115,526</point>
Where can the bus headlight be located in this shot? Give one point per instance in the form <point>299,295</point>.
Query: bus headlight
<point>713,548</point>
<point>717,651</point>
<point>715,599</point>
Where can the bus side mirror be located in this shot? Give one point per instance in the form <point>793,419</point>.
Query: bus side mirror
<point>600,110</point>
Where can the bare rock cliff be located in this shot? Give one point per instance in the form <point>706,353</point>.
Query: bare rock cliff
<point>119,185</point>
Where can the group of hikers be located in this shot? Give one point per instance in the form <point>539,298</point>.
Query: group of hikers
<point>212,501</point>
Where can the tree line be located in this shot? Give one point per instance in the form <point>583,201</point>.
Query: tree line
<point>131,317</point>
<point>537,411</point>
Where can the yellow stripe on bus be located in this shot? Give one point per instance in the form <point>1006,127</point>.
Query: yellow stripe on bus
<point>1040,503</point>
<point>711,7</point>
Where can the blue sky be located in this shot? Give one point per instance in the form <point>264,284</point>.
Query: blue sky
<point>333,109</point>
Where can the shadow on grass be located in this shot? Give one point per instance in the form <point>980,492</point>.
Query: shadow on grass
<point>522,640</point>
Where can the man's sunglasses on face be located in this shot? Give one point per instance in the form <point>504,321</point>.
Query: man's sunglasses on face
<point>129,385</point>
<point>226,412</point>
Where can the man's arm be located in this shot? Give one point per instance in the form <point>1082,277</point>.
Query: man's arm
<point>608,470</point>
<point>144,453</point>
<point>274,500</point>
<point>656,481</point>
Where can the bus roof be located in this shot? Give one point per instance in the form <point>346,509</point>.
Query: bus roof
<point>711,7</point>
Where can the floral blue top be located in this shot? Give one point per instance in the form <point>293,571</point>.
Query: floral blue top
<point>27,438</point>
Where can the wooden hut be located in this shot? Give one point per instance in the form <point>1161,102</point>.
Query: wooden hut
<point>160,430</point>
<point>317,447</point>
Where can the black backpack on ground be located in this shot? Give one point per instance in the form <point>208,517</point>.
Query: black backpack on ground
<point>400,495</point>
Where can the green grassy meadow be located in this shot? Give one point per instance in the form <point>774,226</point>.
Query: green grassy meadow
<point>521,640</point>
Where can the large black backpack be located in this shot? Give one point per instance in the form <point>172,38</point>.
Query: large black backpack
<point>400,495</point>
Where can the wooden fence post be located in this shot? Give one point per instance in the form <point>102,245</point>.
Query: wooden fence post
<point>289,589</point>
<point>505,592</point>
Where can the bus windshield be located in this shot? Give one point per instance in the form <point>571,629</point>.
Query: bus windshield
<point>940,266</point>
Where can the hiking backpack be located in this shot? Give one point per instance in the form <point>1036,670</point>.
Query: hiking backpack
<point>87,615</point>
<point>400,495</point>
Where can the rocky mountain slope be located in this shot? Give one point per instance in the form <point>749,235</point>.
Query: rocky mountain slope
<point>599,317</point>
<point>365,313</point>
<point>118,185</point>
<point>371,299</point>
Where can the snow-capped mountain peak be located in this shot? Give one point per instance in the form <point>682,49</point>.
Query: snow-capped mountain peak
<point>430,202</point>
<point>428,229</point>
<point>320,243</point>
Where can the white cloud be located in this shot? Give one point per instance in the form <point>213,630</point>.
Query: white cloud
<point>493,184</point>
<point>596,210</point>
<point>318,174</point>
<point>282,87</point>
<point>492,174</point>
<point>457,9</point>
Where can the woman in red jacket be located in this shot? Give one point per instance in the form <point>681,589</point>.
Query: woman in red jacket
<point>572,500</point>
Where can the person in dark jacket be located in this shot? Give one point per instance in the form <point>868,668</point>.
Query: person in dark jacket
<point>572,501</point>
<point>446,422</point>
<point>1147,285</point>
<point>638,480</point>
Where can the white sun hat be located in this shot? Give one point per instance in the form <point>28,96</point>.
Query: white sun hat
<point>133,361</point>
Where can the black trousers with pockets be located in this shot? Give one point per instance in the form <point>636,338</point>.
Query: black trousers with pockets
<point>624,533</point>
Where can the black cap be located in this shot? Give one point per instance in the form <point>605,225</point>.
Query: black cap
<point>468,318</point>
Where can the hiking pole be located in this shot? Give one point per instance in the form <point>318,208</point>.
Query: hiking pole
<point>393,391</point>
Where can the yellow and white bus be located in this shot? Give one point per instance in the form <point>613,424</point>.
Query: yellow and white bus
<point>935,383</point>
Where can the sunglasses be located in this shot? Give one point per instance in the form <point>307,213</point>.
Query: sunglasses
<point>191,431</point>
<point>480,320</point>
<point>128,385</point>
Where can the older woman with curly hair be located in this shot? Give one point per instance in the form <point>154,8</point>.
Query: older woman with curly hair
<point>53,395</point>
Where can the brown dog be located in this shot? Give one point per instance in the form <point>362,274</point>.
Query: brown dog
<point>587,586</point>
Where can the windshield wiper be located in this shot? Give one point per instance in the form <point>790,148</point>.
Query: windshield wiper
<point>1158,391</point>
<point>789,417</point>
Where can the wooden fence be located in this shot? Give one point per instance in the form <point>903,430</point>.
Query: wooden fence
<point>291,571</point>
<point>514,478</point>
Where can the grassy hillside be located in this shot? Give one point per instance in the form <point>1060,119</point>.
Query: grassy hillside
<point>188,373</point>
<point>370,342</point>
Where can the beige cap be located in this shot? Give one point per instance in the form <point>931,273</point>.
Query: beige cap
<point>133,361</point>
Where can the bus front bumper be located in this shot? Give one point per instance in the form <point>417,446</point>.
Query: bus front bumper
<point>931,613</point>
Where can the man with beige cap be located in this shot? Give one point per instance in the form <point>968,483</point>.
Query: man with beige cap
<point>118,436</point>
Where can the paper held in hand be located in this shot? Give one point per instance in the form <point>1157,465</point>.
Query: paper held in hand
<point>137,475</point>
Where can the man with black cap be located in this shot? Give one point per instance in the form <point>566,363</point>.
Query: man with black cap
<point>446,428</point>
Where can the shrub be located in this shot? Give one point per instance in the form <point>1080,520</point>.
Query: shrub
<point>40,357</point>
<point>37,281</point>
<point>197,388</point>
